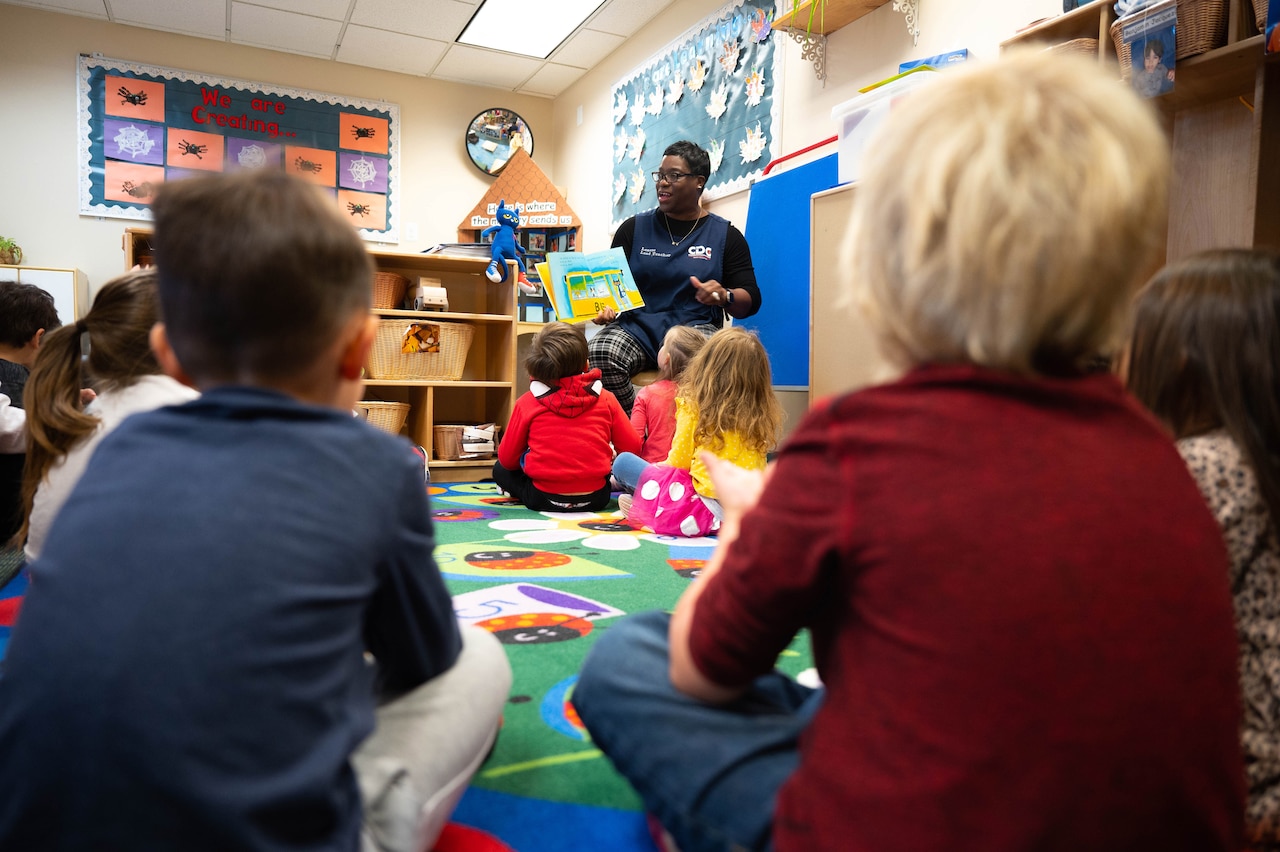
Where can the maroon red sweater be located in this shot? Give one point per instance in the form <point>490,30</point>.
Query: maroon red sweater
<point>565,436</point>
<point>1019,607</point>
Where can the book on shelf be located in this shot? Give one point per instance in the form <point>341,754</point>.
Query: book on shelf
<point>483,250</point>
<point>579,285</point>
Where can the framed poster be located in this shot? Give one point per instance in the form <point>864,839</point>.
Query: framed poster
<point>140,125</point>
<point>717,85</point>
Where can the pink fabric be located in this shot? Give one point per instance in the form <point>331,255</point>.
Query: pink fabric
<point>666,503</point>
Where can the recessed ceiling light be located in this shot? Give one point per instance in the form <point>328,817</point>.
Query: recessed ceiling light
<point>526,27</point>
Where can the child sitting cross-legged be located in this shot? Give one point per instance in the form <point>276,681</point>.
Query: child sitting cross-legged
<point>725,406</point>
<point>237,636</point>
<point>559,443</point>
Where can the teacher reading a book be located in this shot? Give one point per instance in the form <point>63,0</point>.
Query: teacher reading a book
<point>691,267</point>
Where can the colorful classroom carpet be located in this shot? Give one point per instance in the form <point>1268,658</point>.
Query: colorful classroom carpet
<point>547,585</point>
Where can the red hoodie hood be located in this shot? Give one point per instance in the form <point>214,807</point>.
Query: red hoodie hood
<point>572,395</point>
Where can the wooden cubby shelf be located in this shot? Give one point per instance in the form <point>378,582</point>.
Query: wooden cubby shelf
<point>485,393</point>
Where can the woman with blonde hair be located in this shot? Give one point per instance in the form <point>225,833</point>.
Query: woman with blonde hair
<point>1016,596</point>
<point>62,433</point>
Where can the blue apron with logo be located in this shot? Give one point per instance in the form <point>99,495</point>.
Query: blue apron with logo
<point>662,273</point>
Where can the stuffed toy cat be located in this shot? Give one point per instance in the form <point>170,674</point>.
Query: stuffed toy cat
<point>505,247</point>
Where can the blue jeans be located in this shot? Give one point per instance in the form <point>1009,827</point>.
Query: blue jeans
<point>627,468</point>
<point>710,774</point>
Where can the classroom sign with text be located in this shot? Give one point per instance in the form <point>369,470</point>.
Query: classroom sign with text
<point>141,125</point>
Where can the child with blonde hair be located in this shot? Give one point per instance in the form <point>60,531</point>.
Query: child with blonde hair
<point>1016,597</point>
<point>63,432</point>
<point>725,406</point>
<point>654,412</point>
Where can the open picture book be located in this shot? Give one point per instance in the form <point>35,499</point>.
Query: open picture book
<point>580,285</point>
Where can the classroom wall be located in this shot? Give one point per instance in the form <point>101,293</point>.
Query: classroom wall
<point>438,183</point>
<point>38,195</point>
<point>862,53</point>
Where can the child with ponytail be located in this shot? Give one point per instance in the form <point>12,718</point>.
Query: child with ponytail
<point>62,433</point>
<point>725,406</point>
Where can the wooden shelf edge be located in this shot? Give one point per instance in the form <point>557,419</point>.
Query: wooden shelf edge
<point>1225,72</point>
<point>1080,22</point>
<point>443,315</point>
<point>434,383</point>
<point>463,462</point>
<point>837,14</point>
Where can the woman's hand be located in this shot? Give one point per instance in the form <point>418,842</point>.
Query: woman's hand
<point>710,292</point>
<point>605,316</point>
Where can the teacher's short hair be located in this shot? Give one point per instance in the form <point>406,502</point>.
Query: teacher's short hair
<point>699,160</point>
<point>1007,213</point>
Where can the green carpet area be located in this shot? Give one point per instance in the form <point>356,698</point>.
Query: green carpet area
<point>547,585</point>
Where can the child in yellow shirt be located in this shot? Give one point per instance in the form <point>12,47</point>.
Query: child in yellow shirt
<point>725,406</point>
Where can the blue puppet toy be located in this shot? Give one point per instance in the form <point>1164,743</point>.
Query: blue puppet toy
<point>505,247</point>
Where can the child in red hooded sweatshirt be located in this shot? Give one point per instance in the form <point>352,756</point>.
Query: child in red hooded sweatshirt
<point>558,448</point>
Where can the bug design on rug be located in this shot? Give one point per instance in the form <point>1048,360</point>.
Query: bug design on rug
<point>192,148</point>
<point>137,190</point>
<point>128,97</point>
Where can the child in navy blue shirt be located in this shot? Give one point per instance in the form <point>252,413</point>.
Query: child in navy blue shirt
<point>236,635</point>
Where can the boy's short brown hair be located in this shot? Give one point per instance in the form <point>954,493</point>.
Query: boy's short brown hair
<point>24,310</point>
<point>258,272</point>
<point>557,350</point>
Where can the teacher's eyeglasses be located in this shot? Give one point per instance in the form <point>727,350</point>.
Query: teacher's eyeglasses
<point>669,177</point>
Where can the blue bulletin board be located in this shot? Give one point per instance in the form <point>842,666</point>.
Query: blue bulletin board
<point>778,231</point>
<point>140,125</point>
<point>718,86</point>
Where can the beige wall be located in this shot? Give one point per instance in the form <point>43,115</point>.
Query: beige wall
<point>38,196</point>
<point>860,54</point>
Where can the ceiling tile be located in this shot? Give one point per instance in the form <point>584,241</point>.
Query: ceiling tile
<point>485,67</point>
<point>587,48</point>
<point>207,18</point>
<point>390,51</point>
<point>442,20</point>
<point>86,8</point>
<point>276,30</point>
<point>334,10</point>
<point>551,79</point>
<point>624,18</point>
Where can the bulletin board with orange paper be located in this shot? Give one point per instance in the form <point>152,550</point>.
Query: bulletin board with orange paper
<point>141,125</point>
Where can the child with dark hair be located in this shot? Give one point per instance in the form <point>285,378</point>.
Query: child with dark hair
<point>1154,77</point>
<point>27,313</point>
<point>558,447</point>
<point>238,637</point>
<point>1204,357</point>
<point>62,432</point>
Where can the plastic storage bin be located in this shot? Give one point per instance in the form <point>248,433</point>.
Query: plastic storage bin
<point>859,117</point>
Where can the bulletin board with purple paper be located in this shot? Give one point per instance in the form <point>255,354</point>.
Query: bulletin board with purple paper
<point>141,125</point>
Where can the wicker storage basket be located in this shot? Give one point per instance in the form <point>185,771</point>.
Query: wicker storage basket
<point>1260,14</point>
<point>388,290</point>
<point>1202,26</point>
<point>387,416</point>
<point>387,360</point>
<point>1082,46</point>
<point>454,441</point>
